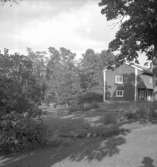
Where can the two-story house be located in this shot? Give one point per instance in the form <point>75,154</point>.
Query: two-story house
<point>128,82</point>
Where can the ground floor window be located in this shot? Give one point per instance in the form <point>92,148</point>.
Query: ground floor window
<point>119,93</point>
<point>145,94</point>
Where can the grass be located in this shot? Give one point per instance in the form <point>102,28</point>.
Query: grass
<point>73,137</point>
<point>81,126</point>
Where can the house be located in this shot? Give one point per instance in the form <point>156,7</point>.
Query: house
<point>128,82</point>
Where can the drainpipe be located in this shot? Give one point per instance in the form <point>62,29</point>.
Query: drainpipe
<point>136,73</point>
<point>104,79</point>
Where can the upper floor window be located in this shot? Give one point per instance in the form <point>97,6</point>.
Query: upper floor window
<point>119,79</point>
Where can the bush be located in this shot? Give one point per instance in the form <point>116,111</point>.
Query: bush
<point>90,97</point>
<point>108,131</point>
<point>140,111</point>
<point>90,106</point>
<point>21,133</point>
<point>78,128</point>
<point>74,107</point>
<point>85,102</point>
<point>153,115</point>
<point>131,116</point>
<point>110,118</point>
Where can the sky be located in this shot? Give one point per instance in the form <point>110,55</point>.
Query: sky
<point>74,24</point>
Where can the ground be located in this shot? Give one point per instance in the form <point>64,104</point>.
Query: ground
<point>136,148</point>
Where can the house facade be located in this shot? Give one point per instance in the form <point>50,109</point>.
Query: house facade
<point>128,82</point>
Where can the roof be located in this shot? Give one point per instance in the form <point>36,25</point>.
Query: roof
<point>137,66</point>
<point>146,82</point>
<point>147,70</point>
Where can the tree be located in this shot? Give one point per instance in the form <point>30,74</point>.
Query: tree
<point>62,75</point>
<point>138,30</point>
<point>39,63</point>
<point>90,70</point>
<point>20,94</point>
<point>91,74</point>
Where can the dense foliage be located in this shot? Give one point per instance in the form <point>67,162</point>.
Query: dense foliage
<point>70,80</point>
<point>62,76</point>
<point>28,81</point>
<point>138,29</point>
<point>20,94</point>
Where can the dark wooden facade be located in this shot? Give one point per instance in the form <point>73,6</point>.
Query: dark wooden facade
<point>127,83</point>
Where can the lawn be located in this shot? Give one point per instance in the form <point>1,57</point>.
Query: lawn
<point>86,139</point>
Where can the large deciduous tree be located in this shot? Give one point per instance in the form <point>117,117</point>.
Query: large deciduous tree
<point>138,29</point>
<point>62,75</point>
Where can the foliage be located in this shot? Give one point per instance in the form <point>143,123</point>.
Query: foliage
<point>138,28</point>
<point>4,1</point>
<point>39,63</point>
<point>62,75</point>
<point>90,69</point>
<point>21,133</point>
<point>85,102</point>
<point>69,80</point>
<point>110,118</point>
<point>91,78</point>
<point>90,97</point>
<point>78,128</point>
<point>20,94</point>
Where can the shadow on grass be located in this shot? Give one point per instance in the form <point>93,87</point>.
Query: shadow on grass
<point>76,149</point>
<point>97,149</point>
<point>78,141</point>
<point>147,162</point>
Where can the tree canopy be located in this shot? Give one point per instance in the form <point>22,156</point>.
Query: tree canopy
<point>138,30</point>
<point>62,75</point>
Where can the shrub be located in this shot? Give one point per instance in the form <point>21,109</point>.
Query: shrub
<point>131,116</point>
<point>90,106</point>
<point>140,111</point>
<point>75,107</point>
<point>90,97</point>
<point>110,118</point>
<point>153,115</point>
<point>21,134</point>
<point>82,107</point>
<point>78,128</point>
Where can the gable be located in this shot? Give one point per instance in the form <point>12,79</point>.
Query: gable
<point>145,81</point>
<point>124,68</point>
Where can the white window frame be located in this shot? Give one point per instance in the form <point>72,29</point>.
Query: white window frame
<point>119,79</point>
<point>119,93</point>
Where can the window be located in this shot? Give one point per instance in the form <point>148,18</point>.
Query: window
<point>151,81</point>
<point>119,79</point>
<point>119,93</point>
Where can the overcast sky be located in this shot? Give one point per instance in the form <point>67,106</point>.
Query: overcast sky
<point>74,24</point>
